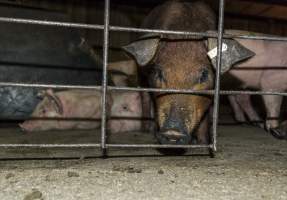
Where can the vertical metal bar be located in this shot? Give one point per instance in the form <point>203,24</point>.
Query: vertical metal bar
<point>104,81</point>
<point>218,70</point>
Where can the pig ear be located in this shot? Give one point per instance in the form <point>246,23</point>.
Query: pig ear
<point>232,53</point>
<point>41,94</point>
<point>55,101</point>
<point>143,50</point>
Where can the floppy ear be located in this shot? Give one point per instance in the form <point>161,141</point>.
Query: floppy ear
<point>233,52</point>
<point>143,50</point>
<point>54,99</point>
<point>41,94</point>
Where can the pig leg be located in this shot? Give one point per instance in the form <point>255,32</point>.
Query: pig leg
<point>273,102</point>
<point>245,103</point>
<point>273,105</point>
<point>238,112</point>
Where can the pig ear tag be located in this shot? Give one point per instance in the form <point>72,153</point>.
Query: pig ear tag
<point>56,102</point>
<point>232,53</point>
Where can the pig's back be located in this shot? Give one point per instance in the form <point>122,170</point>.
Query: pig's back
<point>270,56</point>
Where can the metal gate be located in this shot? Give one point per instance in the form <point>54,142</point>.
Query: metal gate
<point>106,28</point>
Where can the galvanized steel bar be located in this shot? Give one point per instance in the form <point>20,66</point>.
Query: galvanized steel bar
<point>46,86</point>
<point>217,78</point>
<point>156,146</point>
<point>99,145</point>
<point>51,23</point>
<point>105,69</point>
<point>184,91</point>
<point>131,29</point>
<point>49,145</point>
<point>202,34</point>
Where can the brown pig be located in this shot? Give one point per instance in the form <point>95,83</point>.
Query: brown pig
<point>179,62</point>
<point>266,71</point>
<point>86,104</point>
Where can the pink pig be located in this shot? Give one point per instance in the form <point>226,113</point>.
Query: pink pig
<point>66,104</point>
<point>266,71</point>
<point>128,105</point>
<point>86,104</point>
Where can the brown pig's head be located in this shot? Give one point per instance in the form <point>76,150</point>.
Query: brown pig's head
<point>176,64</point>
<point>50,107</point>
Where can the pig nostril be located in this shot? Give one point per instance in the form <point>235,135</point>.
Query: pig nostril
<point>173,137</point>
<point>125,107</point>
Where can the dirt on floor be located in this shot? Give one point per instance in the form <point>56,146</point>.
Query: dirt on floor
<point>249,164</point>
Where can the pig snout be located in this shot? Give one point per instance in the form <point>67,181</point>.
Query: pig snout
<point>173,129</point>
<point>29,126</point>
<point>22,127</point>
<point>179,117</point>
<point>173,137</point>
<point>26,126</point>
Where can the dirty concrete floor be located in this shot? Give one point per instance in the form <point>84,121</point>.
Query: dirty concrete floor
<point>249,164</point>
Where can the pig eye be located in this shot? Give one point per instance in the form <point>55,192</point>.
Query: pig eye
<point>158,74</point>
<point>43,111</point>
<point>203,76</point>
<point>125,107</point>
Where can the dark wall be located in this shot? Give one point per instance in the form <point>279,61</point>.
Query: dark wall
<point>130,13</point>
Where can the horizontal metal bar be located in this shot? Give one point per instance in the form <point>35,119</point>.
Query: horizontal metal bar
<point>233,92</point>
<point>183,91</point>
<point>202,34</point>
<point>99,145</point>
<point>156,146</point>
<point>131,29</point>
<point>172,32</point>
<point>253,37</point>
<point>199,92</point>
<point>54,86</point>
<point>51,23</point>
<point>49,145</point>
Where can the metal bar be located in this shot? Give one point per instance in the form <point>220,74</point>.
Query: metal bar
<point>99,145</point>
<point>203,34</point>
<point>104,84</point>
<point>218,70</point>
<point>131,29</point>
<point>184,91</point>
<point>46,86</point>
<point>49,145</point>
<point>156,146</point>
<point>50,23</point>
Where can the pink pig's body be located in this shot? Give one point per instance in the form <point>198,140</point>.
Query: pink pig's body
<point>86,104</point>
<point>266,71</point>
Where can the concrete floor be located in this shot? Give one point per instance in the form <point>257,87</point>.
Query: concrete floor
<point>249,164</point>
